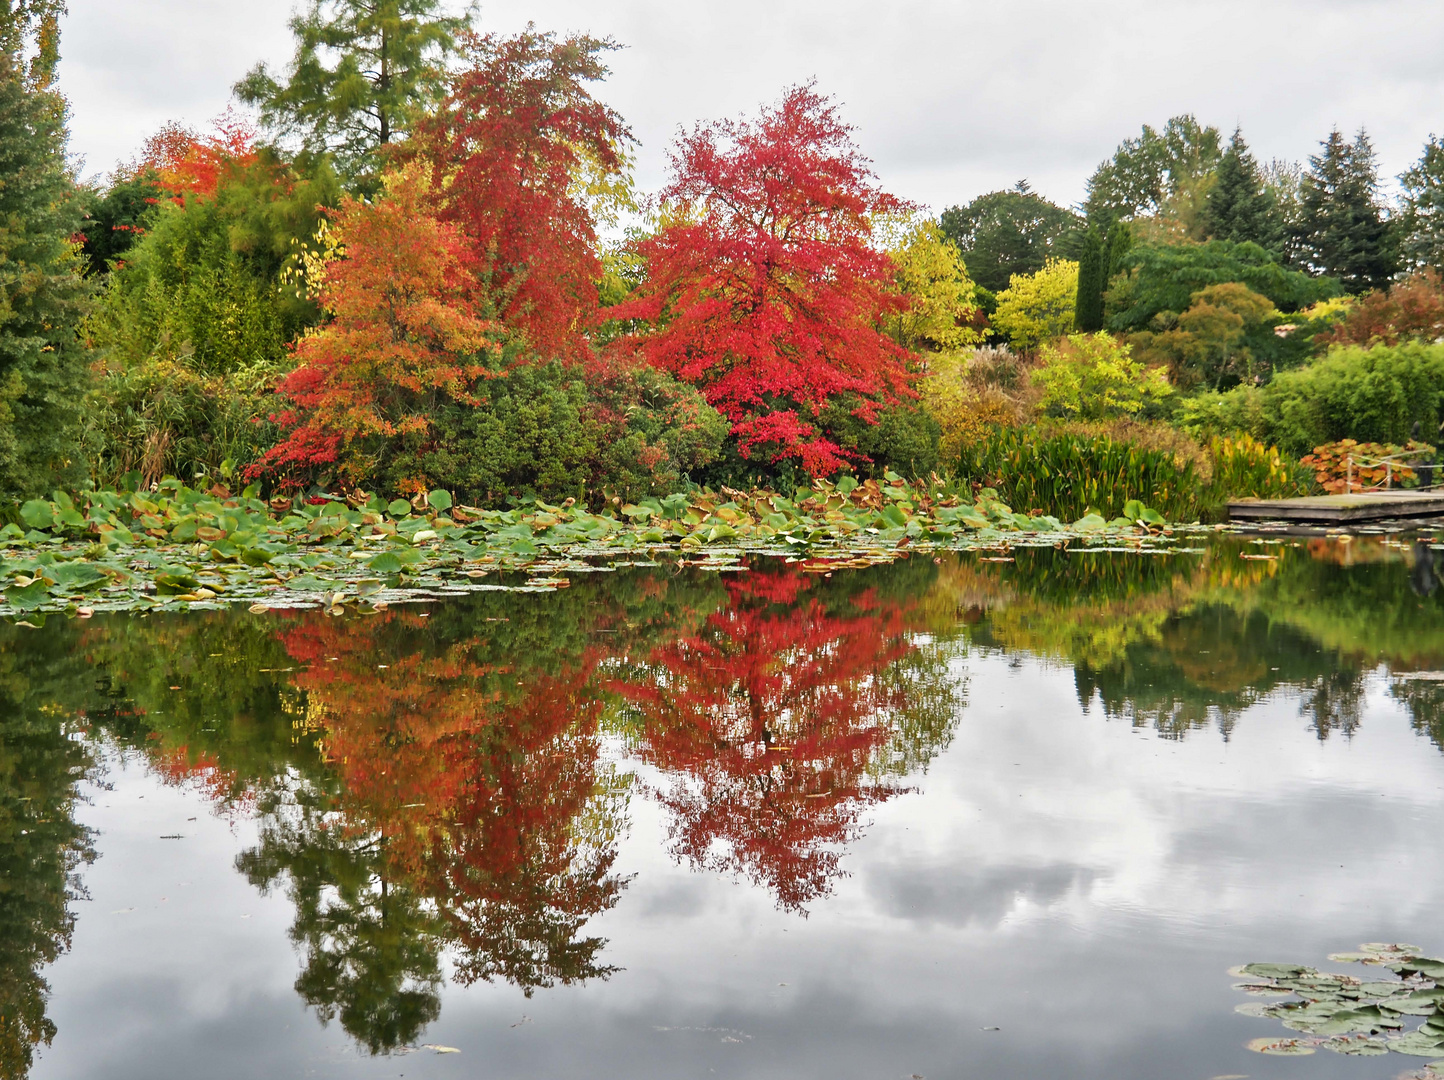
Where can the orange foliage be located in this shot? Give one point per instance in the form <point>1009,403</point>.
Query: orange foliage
<point>406,334</point>
<point>188,164</point>
<point>1412,309</point>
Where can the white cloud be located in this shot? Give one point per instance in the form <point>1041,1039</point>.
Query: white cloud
<point>950,98</point>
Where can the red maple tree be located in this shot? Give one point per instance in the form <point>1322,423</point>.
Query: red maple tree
<point>513,150</point>
<point>406,332</point>
<point>764,289</point>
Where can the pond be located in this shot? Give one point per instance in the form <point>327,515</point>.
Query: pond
<point>974,815</point>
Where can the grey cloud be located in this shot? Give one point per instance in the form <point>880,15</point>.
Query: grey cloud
<point>966,894</point>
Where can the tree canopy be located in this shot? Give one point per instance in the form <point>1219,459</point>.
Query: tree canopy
<point>362,72</point>
<point>1008,232</point>
<point>1146,172</point>
<point>1345,232</point>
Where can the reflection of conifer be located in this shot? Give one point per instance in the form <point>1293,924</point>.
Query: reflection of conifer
<point>1335,703</point>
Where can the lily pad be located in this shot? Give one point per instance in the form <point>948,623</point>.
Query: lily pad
<point>1280,1047</point>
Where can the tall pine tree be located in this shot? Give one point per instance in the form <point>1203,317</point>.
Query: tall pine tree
<point>43,363</point>
<point>1423,217</point>
<point>1344,232</point>
<point>1238,206</point>
<point>362,72</point>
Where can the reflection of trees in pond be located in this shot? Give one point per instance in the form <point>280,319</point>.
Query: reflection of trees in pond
<point>792,709</point>
<point>42,686</point>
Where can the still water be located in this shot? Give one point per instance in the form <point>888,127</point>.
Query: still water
<point>952,818</point>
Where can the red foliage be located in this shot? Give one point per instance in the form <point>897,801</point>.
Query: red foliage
<point>765,289</point>
<point>405,332</point>
<point>1414,308</point>
<point>187,164</point>
<point>768,719</point>
<point>506,150</point>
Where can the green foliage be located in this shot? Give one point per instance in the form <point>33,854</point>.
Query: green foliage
<point>118,218</point>
<point>1095,377</point>
<point>1147,172</point>
<point>546,430</point>
<point>195,326</point>
<point>1068,475</point>
<point>1240,206</point>
<point>932,275</point>
<point>1422,219</point>
<point>904,439</point>
<point>1101,258</point>
<point>1244,468</point>
<point>1038,308</point>
<point>43,363</point>
<point>362,72</point>
<point>1372,395</point>
<point>1345,232</point>
<point>1005,233</point>
<point>1164,278</point>
<point>1225,337</point>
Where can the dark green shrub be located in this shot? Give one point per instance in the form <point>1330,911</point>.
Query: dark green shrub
<point>904,439</point>
<point>547,430</point>
<point>1372,395</point>
<point>1068,475</point>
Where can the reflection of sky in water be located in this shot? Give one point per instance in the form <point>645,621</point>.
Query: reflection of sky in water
<point>1077,882</point>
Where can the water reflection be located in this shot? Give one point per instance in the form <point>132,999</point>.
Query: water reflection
<point>441,792</point>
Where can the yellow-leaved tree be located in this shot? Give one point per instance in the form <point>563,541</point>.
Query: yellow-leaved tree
<point>931,274</point>
<point>1038,308</point>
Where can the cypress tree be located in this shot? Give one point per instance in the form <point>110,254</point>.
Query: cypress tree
<point>1092,279</point>
<point>43,364</point>
<point>1238,205</point>
<point>1344,232</point>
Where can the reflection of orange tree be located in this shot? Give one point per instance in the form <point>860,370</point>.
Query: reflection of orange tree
<point>474,777</point>
<point>774,722</point>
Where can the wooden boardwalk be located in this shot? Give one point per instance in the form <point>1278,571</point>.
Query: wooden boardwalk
<point>1352,509</point>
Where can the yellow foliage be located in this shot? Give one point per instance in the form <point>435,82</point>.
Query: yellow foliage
<point>967,392</point>
<point>1094,377</point>
<point>930,272</point>
<point>1037,308</point>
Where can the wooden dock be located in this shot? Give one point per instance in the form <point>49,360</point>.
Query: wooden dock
<point>1351,509</point>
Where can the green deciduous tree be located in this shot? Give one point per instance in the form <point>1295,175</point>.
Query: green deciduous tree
<point>1423,218</point>
<point>1094,377</point>
<point>1239,206</point>
<point>362,71</point>
<point>1146,172</point>
<point>1345,232</point>
<point>1008,232</point>
<point>1162,278</point>
<point>43,365</point>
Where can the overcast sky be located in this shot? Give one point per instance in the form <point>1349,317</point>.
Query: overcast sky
<point>951,98</point>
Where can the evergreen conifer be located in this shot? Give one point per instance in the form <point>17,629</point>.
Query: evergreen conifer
<point>1238,205</point>
<point>43,364</point>
<point>1344,232</point>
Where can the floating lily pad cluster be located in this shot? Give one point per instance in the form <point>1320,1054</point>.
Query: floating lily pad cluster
<point>174,546</point>
<point>1372,1013</point>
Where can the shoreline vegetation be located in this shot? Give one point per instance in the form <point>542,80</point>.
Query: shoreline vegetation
<point>445,292</point>
<point>176,548</point>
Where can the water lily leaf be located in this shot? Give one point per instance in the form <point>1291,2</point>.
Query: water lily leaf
<point>398,508</point>
<point>1358,1047</point>
<point>73,576</point>
<point>385,563</point>
<point>28,597</point>
<point>1418,1043</point>
<point>1279,1047</point>
<point>1254,1008</point>
<point>1276,971</point>
<point>1090,523</point>
<point>38,514</point>
<point>439,500</point>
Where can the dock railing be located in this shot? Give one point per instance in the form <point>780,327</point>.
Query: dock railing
<point>1406,459</point>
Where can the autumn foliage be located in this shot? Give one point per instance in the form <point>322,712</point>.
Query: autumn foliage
<point>764,288</point>
<point>519,153</point>
<point>1412,309</point>
<point>407,333</point>
<point>185,163</point>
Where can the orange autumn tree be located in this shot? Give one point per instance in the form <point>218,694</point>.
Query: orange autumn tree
<point>764,288</point>
<point>407,333</point>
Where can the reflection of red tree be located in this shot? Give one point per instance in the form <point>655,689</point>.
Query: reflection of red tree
<point>768,720</point>
<point>475,777</point>
<point>179,767</point>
